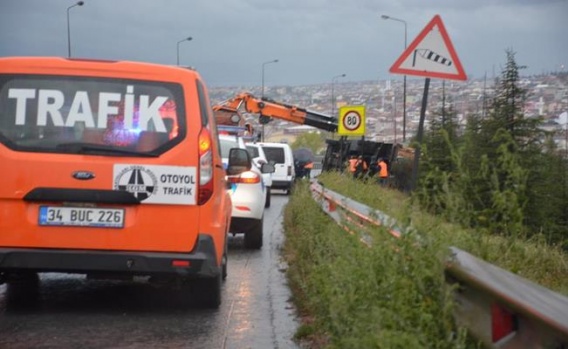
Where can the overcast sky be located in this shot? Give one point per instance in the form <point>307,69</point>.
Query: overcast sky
<point>314,40</point>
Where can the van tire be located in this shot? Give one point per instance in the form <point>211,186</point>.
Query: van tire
<point>267,203</point>
<point>207,291</point>
<point>23,289</point>
<point>253,237</point>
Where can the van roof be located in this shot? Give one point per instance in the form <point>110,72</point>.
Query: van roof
<point>271,144</point>
<point>91,67</point>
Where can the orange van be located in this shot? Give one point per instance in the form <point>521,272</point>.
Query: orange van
<point>111,169</point>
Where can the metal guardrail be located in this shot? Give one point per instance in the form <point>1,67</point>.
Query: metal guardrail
<point>499,308</point>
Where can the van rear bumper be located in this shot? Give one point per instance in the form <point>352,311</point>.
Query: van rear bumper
<point>202,261</point>
<point>285,185</point>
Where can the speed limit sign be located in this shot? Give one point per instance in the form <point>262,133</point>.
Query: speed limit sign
<point>352,120</point>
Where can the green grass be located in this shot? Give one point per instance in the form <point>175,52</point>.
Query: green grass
<point>392,294</point>
<point>532,258</point>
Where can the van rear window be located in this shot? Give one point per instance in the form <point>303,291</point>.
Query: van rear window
<point>274,154</point>
<point>90,115</point>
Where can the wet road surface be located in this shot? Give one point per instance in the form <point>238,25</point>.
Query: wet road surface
<point>72,312</point>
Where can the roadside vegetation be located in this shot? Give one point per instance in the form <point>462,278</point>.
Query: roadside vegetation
<point>389,295</point>
<point>314,141</point>
<point>498,191</point>
<point>392,294</point>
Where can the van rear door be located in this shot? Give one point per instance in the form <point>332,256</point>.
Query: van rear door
<point>277,155</point>
<point>91,161</point>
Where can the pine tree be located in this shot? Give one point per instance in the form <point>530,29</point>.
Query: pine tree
<point>502,173</point>
<point>438,146</point>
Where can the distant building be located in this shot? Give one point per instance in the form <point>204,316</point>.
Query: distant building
<point>296,130</point>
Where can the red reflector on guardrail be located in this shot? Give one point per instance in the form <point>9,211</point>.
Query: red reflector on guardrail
<point>502,322</point>
<point>329,206</point>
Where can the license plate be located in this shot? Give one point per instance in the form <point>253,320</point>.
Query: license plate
<point>81,216</point>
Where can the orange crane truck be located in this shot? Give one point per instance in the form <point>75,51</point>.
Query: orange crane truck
<point>337,152</point>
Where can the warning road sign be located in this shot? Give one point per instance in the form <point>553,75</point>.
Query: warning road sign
<point>351,120</point>
<point>431,54</point>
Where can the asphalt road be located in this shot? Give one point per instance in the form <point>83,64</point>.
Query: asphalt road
<point>72,312</point>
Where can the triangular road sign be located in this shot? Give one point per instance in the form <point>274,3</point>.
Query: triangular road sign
<point>431,54</point>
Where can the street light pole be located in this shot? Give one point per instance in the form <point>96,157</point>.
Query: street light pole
<point>78,3</point>
<point>333,92</point>
<point>189,38</point>
<point>394,116</point>
<point>263,65</point>
<point>404,81</point>
<point>262,90</point>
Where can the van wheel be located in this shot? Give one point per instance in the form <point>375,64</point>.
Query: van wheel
<point>267,203</point>
<point>207,291</point>
<point>253,237</point>
<point>23,288</point>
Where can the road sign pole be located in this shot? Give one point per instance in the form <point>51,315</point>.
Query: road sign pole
<point>420,133</point>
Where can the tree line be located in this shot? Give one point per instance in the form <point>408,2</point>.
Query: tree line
<point>501,173</point>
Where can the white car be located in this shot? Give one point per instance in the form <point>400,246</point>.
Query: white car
<point>259,158</point>
<point>248,194</point>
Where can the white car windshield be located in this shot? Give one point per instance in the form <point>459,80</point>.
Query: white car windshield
<point>226,145</point>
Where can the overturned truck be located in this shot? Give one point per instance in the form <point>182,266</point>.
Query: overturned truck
<point>398,158</point>
<point>339,151</point>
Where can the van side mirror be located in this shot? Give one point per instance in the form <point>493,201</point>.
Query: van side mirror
<point>239,161</point>
<point>267,168</point>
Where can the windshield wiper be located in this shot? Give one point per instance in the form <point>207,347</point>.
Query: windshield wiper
<point>85,148</point>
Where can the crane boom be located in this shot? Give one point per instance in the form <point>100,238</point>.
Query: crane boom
<point>268,108</point>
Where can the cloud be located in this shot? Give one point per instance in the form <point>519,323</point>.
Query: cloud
<point>314,40</point>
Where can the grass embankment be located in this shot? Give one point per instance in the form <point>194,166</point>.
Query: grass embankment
<point>393,294</point>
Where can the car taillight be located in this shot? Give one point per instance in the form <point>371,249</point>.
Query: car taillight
<point>205,167</point>
<point>247,177</point>
<point>289,170</point>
